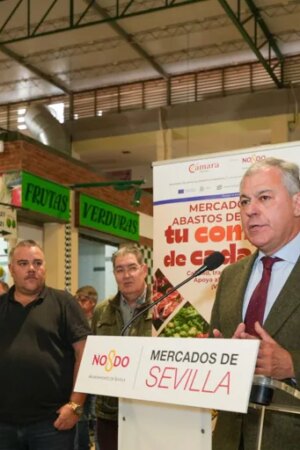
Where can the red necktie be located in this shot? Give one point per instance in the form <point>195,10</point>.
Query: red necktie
<point>257,303</point>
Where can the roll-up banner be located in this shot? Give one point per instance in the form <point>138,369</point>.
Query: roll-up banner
<point>196,212</point>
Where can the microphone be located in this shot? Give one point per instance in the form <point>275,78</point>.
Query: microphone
<point>211,262</point>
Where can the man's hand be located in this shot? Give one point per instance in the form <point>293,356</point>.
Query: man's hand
<point>238,334</point>
<point>66,419</point>
<point>272,360</point>
<point>217,333</point>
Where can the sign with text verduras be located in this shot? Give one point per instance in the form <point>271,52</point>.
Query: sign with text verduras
<point>208,373</point>
<point>102,216</point>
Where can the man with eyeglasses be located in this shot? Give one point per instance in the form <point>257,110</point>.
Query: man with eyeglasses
<point>111,316</point>
<point>42,337</point>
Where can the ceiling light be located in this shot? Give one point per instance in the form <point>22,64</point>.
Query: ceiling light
<point>58,111</point>
<point>22,111</point>
<point>137,197</point>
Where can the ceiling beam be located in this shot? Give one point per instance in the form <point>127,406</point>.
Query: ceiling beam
<point>44,24</point>
<point>252,41</point>
<point>20,60</point>
<point>129,40</point>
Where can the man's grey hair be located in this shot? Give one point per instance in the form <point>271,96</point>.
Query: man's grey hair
<point>24,243</point>
<point>289,170</point>
<point>126,249</point>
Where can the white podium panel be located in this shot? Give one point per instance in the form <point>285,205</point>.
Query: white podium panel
<point>207,373</point>
<point>164,384</point>
<point>152,426</point>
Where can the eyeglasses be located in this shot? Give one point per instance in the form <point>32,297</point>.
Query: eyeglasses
<point>131,270</point>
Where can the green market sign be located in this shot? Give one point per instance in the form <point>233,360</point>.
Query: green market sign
<point>108,218</point>
<point>45,196</point>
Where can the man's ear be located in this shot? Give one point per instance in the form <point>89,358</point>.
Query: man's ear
<point>296,202</point>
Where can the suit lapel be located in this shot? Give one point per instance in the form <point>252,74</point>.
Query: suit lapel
<point>287,301</point>
<point>240,279</point>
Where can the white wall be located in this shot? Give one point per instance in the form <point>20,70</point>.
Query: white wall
<point>95,267</point>
<point>34,232</point>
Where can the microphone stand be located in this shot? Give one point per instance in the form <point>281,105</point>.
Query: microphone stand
<point>276,408</point>
<point>264,403</point>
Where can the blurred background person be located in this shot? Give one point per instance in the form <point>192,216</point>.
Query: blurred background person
<point>87,298</point>
<point>111,316</point>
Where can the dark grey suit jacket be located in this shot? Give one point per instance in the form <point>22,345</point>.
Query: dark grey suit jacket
<point>281,431</point>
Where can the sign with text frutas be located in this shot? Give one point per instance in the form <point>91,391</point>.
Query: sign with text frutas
<point>207,373</point>
<point>45,196</point>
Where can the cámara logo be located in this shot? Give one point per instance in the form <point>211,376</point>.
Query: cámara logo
<point>202,167</point>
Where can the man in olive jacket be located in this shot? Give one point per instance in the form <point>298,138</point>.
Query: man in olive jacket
<point>110,317</point>
<point>270,212</point>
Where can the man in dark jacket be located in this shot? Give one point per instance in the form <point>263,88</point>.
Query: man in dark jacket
<point>110,317</point>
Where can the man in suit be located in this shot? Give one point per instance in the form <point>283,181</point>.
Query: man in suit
<point>270,213</point>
